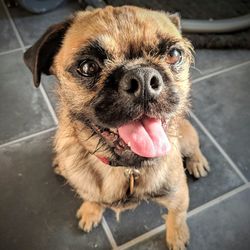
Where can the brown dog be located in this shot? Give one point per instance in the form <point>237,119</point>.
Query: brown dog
<point>124,92</point>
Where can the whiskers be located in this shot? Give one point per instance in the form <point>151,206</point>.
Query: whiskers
<point>92,134</point>
<point>99,145</point>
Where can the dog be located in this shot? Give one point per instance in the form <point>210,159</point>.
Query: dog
<point>124,93</point>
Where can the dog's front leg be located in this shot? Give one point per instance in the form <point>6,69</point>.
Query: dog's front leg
<point>196,163</point>
<point>177,232</point>
<point>89,215</point>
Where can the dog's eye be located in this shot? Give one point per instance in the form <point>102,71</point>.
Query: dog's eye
<point>88,68</point>
<point>174,56</point>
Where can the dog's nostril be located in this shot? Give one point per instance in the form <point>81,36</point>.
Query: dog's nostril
<point>154,83</point>
<point>133,86</point>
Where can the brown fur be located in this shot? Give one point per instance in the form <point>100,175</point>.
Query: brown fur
<point>120,30</point>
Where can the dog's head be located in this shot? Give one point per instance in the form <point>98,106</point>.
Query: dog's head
<point>123,72</point>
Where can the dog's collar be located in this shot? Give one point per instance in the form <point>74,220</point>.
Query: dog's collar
<point>110,162</point>
<point>104,159</point>
<point>132,174</point>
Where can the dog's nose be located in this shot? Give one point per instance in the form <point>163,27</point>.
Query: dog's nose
<point>144,82</point>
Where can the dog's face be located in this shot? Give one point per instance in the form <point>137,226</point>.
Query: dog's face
<point>123,72</point>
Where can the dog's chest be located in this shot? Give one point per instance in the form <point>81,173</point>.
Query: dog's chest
<point>133,187</point>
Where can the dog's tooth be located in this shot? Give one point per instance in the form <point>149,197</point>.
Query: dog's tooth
<point>113,137</point>
<point>122,143</point>
<point>114,130</point>
<point>129,144</point>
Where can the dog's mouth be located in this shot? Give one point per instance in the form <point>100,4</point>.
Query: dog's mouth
<point>144,137</point>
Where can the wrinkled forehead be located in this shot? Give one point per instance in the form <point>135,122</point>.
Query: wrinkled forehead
<point>120,32</point>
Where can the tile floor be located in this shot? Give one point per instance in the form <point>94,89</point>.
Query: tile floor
<point>37,208</point>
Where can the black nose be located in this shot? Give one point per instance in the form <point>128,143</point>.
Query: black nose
<point>144,82</point>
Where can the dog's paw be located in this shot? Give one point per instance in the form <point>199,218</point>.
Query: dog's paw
<point>89,215</point>
<point>197,166</point>
<point>178,238</point>
<point>57,168</point>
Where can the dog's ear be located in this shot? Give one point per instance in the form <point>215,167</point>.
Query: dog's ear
<point>176,20</point>
<point>39,57</point>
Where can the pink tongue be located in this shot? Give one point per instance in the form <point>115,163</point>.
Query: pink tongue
<point>146,138</point>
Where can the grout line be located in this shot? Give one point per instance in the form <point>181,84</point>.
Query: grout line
<point>10,51</point>
<point>23,48</point>
<point>219,148</point>
<point>27,137</point>
<point>218,200</point>
<point>50,107</point>
<point>27,46</point>
<point>142,237</point>
<point>220,72</point>
<point>191,213</point>
<point>13,25</point>
<point>109,234</point>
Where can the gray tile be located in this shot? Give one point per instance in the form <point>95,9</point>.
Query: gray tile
<point>208,61</point>
<point>135,222</point>
<point>50,84</point>
<point>22,107</point>
<point>37,209</point>
<point>31,26</point>
<point>222,104</point>
<point>225,226</point>
<point>8,39</point>
<point>220,180</point>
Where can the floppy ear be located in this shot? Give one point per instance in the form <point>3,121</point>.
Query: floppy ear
<point>176,20</point>
<point>39,57</point>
